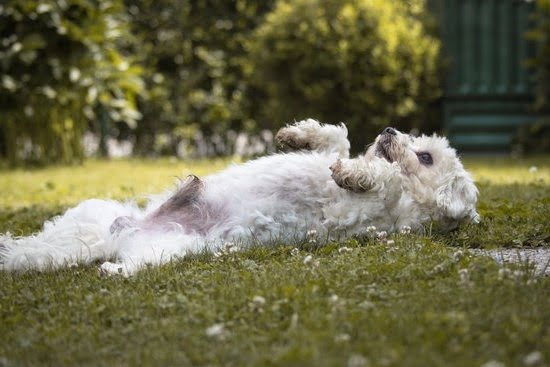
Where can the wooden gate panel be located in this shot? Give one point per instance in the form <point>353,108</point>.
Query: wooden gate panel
<point>486,48</point>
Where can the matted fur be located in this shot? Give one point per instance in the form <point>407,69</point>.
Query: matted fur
<point>274,198</point>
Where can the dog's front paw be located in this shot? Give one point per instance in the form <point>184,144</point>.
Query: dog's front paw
<point>349,177</point>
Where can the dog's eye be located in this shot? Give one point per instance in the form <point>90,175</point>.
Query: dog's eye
<point>425,158</point>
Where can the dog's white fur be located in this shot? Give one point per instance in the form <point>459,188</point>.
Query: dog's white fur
<point>275,198</point>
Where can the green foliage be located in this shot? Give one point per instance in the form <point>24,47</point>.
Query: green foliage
<point>536,137</point>
<point>368,63</point>
<point>421,301</point>
<point>59,61</point>
<point>195,52</point>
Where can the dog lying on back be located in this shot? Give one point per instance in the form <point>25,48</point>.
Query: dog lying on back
<point>400,182</point>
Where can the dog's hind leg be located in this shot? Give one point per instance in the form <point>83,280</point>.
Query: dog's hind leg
<point>311,135</point>
<point>153,247</point>
<point>81,235</point>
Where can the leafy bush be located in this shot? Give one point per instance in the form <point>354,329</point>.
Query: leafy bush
<point>196,52</point>
<point>536,137</point>
<point>368,63</point>
<point>60,62</point>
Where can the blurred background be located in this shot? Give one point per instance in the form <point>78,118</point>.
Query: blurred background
<point>206,78</point>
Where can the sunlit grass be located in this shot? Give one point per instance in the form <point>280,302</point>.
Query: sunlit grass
<point>501,171</point>
<point>115,179</point>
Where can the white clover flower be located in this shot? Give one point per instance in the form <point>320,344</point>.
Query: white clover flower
<point>367,305</point>
<point>405,230</point>
<point>504,273</point>
<point>344,249</point>
<point>342,338</point>
<point>390,242</point>
<point>230,247</point>
<point>295,252</point>
<point>258,300</point>
<point>311,233</point>
<point>257,304</point>
<point>308,259</point>
<point>334,298</point>
<point>533,169</point>
<point>371,229</point>
<point>533,358</point>
<point>457,255</point>
<point>518,274</point>
<point>216,331</point>
<point>381,235</point>
<point>357,360</point>
<point>493,363</point>
<point>438,268</point>
<point>464,276</point>
<point>311,236</point>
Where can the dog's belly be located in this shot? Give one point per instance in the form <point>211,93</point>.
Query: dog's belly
<point>272,195</point>
<point>266,198</point>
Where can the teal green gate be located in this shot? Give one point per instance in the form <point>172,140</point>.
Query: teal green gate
<point>487,90</point>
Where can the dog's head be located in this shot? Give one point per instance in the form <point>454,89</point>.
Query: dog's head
<point>433,174</point>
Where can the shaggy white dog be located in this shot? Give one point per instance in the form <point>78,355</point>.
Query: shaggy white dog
<point>401,181</point>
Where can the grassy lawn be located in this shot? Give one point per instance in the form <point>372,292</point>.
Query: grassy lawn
<point>421,301</point>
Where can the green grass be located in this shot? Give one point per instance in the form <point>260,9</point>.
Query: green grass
<point>419,302</point>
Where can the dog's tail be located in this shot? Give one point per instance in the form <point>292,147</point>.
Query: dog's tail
<point>81,235</point>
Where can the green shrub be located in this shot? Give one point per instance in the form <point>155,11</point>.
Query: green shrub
<point>369,63</point>
<point>536,137</point>
<point>59,62</point>
<point>196,52</point>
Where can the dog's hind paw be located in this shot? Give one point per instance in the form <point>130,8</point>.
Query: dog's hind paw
<point>291,138</point>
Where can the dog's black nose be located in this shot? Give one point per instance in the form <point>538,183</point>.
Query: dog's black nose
<point>390,130</point>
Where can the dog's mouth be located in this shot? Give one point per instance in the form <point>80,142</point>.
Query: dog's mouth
<point>382,148</point>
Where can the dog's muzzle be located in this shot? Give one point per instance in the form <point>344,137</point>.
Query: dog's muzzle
<point>384,143</point>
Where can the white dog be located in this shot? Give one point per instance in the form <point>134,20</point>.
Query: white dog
<point>401,181</point>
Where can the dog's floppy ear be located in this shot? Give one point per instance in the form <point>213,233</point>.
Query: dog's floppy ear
<point>456,200</point>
